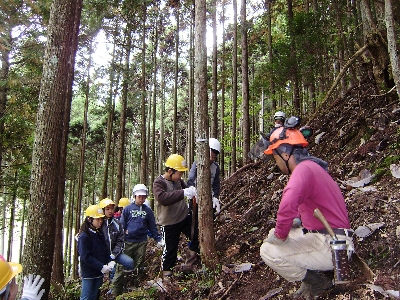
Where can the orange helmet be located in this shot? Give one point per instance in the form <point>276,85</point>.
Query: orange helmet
<point>284,135</point>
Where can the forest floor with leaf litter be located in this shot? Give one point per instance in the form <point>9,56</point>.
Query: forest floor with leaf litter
<point>358,136</point>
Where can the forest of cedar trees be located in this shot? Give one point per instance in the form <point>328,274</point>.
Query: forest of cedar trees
<point>96,94</point>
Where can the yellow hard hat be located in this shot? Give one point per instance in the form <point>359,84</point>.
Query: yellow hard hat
<point>106,202</point>
<point>94,211</point>
<point>8,270</point>
<point>123,202</point>
<point>176,162</point>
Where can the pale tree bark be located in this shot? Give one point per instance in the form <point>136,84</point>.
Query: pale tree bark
<point>245,86</point>
<point>162,113</point>
<point>214,119</point>
<point>110,116</point>
<point>143,141</point>
<point>223,79</point>
<point>55,90</point>
<point>153,117</point>
<point>175,117</point>
<point>293,68</point>
<point>206,228</point>
<point>270,55</point>
<point>393,48</point>
<point>122,129</point>
<point>234,88</point>
<point>190,156</point>
<point>81,168</point>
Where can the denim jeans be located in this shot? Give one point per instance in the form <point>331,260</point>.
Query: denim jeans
<point>125,260</point>
<point>90,288</point>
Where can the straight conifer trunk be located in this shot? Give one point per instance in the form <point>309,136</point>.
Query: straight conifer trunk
<point>206,228</point>
<point>55,91</point>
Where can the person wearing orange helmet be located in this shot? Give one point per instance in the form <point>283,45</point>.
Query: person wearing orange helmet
<point>303,253</point>
<point>9,287</point>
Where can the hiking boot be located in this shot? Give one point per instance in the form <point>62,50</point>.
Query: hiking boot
<point>314,284</point>
<point>191,259</point>
<point>303,292</point>
<point>167,274</point>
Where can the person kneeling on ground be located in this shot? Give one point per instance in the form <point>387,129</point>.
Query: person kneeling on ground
<point>304,254</point>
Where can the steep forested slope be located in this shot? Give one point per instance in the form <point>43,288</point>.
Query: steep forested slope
<point>358,136</point>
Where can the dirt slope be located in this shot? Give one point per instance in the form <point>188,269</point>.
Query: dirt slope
<point>354,133</point>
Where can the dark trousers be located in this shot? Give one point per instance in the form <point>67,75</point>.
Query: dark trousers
<point>171,234</point>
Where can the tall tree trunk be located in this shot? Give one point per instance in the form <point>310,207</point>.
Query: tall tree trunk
<point>234,88</point>
<point>58,260</point>
<point>143,141</point>
<point>206,232</point>
<point>270,56</point>
<point>54,91</point>
<point>214,120</point>
<point>245,86</point>
<point>393,48</point>
<point>68,234</point>
<point>124,99</point>
<point>4,70</point>
<point>153,117</point>
<point>81,170</point>
<point>223,69</point>
<point>293,69</point>
<point>190,157</point>
<point>162,113</point>
<point>110,118</point>
<point>175,118</point>
<point>12,218</point>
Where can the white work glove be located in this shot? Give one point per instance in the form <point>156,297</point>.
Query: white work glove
<point>296,223</point>
<point>190,192</point>
<point>32,285</point>
<point>160,244</point>
<point>106,269</point>
<point>273,239</point>
<point>216,204</point>
<point>111,264</point>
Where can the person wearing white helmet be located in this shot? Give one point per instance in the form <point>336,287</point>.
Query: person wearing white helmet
<point>215,149</point>
<point>172,210</point>
<point>137,220</point>
<point>279,118</point>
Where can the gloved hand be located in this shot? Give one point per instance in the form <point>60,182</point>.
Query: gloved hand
<point>190,192</point>
<point>111,264</point>
<point>32,285</point>
<point>296,223</point>
<point>273,239</point>
<point>106,269</point>
<point>112,256</point>
<point>216,204</point>
<point>160,244</point>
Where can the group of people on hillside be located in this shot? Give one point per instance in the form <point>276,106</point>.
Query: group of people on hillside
<point>298,248</point>
<point>111,239</point>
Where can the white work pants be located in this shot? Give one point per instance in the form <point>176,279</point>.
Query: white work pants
<point>300,252</point>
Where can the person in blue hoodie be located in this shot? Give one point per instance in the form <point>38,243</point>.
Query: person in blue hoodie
<point>138,220</point>
<point>95,260</point>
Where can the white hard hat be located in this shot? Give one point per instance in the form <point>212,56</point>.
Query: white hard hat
<point>215,144</point>
<point>279,114</point>
<point>139,189</point>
